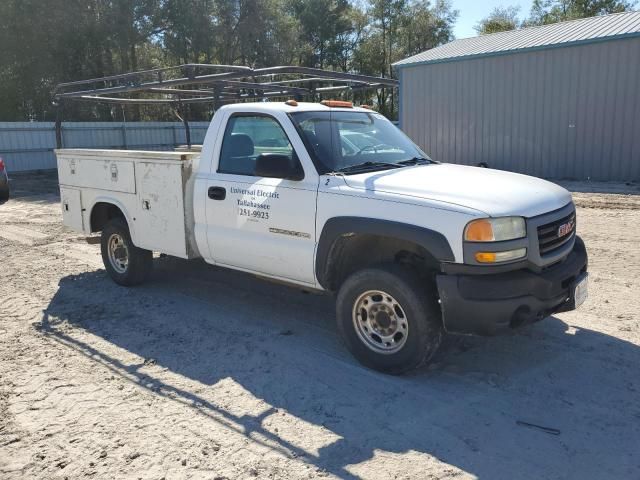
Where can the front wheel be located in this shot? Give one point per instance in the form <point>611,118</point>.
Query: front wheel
<point>389,319</point>
<point>126,264</point>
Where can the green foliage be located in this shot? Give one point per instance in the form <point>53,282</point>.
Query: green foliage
<point>397,29</point>
<point>45,42</point>
<point>544,12</point>
<point>323,27</point>
<point>501,19</point>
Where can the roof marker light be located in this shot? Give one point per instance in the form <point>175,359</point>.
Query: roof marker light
<point>337,104</point>
<point>291,103</point>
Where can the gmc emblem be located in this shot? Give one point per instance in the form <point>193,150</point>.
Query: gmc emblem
<point>566,228</point>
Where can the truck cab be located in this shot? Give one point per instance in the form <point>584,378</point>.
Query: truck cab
<point>335,198</point>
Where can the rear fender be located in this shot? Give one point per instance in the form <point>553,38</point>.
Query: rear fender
<point>116,203</point>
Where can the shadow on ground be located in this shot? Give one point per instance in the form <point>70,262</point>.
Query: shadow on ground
<point>279,344</point>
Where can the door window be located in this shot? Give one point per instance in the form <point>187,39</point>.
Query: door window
<point>249,136</point>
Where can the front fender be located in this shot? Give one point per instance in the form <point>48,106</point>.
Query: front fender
<point>433,242</point>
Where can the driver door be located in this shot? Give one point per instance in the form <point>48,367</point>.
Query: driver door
<point>258,224</point>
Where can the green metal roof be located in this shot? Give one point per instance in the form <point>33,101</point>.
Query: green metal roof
<point>584,30</point>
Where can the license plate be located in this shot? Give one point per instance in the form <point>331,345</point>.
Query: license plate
<point>581,291</point>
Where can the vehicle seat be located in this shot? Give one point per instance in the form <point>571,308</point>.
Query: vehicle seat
<point>238,155</point>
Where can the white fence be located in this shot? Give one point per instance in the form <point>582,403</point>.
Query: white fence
<point>29,145</point>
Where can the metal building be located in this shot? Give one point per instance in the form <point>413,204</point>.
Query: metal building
<point>558,101</point>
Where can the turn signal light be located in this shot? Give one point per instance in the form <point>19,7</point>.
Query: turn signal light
<point>486,257</point>
<point>337,103</point>
<point>495,257</point>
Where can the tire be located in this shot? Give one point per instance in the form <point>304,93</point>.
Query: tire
<point>364,311</point>
<point>4,194</point>
<point>125,263</point>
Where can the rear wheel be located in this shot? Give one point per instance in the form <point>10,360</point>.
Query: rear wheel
<point>389,319</point>
<point>126,264</point>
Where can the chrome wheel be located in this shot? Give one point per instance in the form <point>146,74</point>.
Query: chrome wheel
<point>118,253</point>
<point>380,322</point>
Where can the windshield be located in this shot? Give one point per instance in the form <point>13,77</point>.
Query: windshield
<point>342,140</point>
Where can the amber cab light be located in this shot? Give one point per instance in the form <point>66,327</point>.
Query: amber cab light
<point>291,103</point>
<point>337,104</point>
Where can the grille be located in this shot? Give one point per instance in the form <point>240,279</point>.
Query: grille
<point>548,238</point>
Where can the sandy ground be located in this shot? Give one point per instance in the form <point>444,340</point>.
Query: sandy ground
<point>204,373</point>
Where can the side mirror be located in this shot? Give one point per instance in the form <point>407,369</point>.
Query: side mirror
<point>276,165</point>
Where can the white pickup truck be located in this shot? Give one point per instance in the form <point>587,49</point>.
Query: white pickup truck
<point>336,198</point>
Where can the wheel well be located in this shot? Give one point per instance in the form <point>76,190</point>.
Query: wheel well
<point>350,253</point>
<point>102,213</point>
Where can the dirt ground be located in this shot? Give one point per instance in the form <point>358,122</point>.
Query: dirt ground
<point>204,373</point>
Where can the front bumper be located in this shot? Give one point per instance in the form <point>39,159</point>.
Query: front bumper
<point>494,303</point>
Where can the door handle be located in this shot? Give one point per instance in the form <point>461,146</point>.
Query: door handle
<point>217,193</point>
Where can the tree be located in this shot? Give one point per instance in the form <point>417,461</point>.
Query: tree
<point>70,39</point>
<point>544,12</point>
<point>426,27</point>
<point>324,25</point>
<point>187,33</point>
<point>397,29</point>
<point>45,42</point>
<point>501,19</point>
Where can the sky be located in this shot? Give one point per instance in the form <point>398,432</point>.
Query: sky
<point>472,11</point>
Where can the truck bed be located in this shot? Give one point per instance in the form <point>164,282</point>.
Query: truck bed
<point>149,185</point>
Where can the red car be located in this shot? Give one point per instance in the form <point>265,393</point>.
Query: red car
<point>4,182</point>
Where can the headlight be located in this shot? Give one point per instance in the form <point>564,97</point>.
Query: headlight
<point>495,229</point>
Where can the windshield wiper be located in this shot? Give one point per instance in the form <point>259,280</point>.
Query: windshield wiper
<point>416,161</point>
<point>367,166</point>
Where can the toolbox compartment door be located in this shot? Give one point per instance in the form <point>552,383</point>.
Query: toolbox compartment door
<point>161,199</point>
<point>71,201</point>
<point>114,175</point>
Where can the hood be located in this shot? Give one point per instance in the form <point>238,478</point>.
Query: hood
<point>494,192</point>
